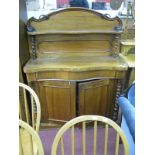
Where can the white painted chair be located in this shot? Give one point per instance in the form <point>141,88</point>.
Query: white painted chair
<point>29,100</point>
<point>29,140</point>
<point>95,120</point>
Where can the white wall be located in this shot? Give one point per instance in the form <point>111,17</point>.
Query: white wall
<point>49,4</point>
<point>33,5</point>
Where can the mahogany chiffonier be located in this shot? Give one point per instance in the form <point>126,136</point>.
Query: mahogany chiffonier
<point>75,66</point>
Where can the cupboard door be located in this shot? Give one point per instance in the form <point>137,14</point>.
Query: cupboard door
<point>96,97</point>
<point>57,100</point>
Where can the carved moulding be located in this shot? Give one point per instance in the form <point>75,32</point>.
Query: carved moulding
<point>30,28</point>
<point>116,107</point>
<point>116,45</point>
<point>33,40</point>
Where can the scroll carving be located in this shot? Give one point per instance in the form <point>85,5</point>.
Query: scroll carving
<point>41,18</point>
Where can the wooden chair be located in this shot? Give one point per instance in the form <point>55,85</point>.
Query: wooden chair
<point>96,120</point>
<point>29,140</point>
<point>29,100</point>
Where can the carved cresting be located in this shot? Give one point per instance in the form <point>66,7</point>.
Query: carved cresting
<point>116,44</point>
<point>54,23</point>
<point>33,47</point>
<point>118,92</point>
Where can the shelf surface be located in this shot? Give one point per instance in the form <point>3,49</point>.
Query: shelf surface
<point>74,32</point>
<point>75,64</point>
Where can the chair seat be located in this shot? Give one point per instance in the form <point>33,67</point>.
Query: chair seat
<point>26,141</point>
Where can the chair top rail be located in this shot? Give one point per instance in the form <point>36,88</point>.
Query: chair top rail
<point>34,134</point>
<point>88,118</point>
